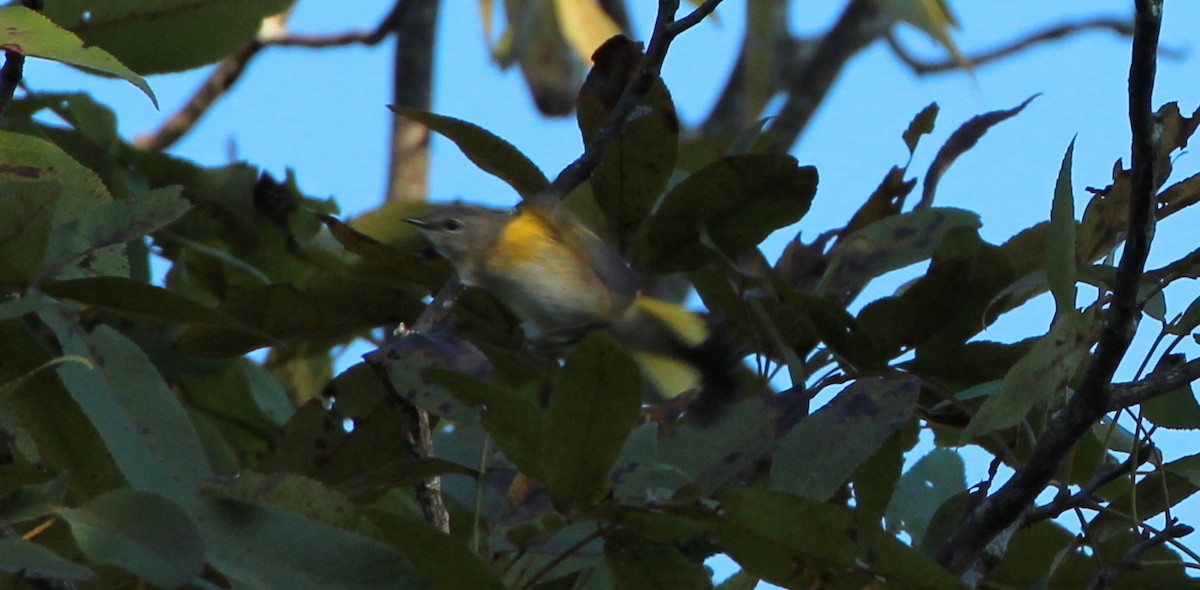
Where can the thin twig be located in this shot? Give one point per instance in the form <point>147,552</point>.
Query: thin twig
<point>1121,26</point>
<point>232,67</point>
<point>1133,555</point>
<point>1125,395</point>
<point>666,28</point>
<point>1086,494</point>
<point>1092,396</point>
<point>369,38</point>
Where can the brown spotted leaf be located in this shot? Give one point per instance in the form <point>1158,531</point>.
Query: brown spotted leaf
<point>963,139</point>
<point>889,244</point>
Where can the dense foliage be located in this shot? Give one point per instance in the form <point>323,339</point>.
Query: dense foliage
<point>143,445</point>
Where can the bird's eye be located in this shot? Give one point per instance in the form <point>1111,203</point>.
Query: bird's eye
<point>452,225</point>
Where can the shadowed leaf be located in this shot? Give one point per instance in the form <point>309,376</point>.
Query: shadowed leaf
<point>595,402</point>
<point>737,200</point>
<point>492,154</point>
<point>144,534</point>
<point>825,448</point>
<point>963,139</point>
<point>32,34</point>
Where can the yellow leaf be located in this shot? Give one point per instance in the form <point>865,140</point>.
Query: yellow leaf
<point>584,25</point>
<point>932,17</point>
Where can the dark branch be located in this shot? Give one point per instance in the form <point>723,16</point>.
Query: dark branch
<point>1092,395</point>
<point>1133,556</point>
<point>1086,495</point>
<point>213,88</point>
<point>232,67</point>
<point>1136,392</point>
<point>412,86</point>
<point>666,28</point>
<point>810,76</point>
<point>370,38</point>
<point>1121,26</point>
<point>10,77</point>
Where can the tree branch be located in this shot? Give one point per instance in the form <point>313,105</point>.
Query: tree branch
<point>231,69</point>
<point>412,86</point>
<point>1136,392</point>
<point>1086,494</point>
<point>1133,555</point>
<point>370,38</point>
<point>1121,26</point>
<point>811,75</point>
<point>218,83</point>
<point>1092,396</point>
<point>666,28</point>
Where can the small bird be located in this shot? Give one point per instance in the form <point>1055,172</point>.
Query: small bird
<point>561,279</point>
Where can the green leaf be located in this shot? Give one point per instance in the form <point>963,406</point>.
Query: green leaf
<point>640,564</point>
<point>791,541</point>
<point>265,548</point>
<point>1043,372</point>
<point>515,422</point>
<point>322,308</point>
<point>492,154</point>
<point>933,480</point>
<point>25,226</point>
<point>595,402</point>
<point>1061,265</point>
<point>28,158</point>
<point>637,166</point>
<point>110,225</point>
<point>132,298</point>
<point>1175,409</point>
<point>141,420</point>
<point>144,534</point>
<point>825,448</point>
<point>165,35</point>
<point>35,501</point>
<point>30,560</point>
<point>440,559</point>
<point>738,200</point>
<point>48,426</point>
<point>32,34</point>
<point>410,360</point>
<point>713,454</point>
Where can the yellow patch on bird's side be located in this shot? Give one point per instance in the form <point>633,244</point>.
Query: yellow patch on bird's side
<point>524,238</point>
<point>685,324</point>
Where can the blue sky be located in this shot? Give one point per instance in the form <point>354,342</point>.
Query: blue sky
<point>322,114</point>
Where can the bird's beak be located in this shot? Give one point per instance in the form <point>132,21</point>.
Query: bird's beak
<point>420,223</point>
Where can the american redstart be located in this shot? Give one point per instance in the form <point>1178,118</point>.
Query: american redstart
<point>561,279</point>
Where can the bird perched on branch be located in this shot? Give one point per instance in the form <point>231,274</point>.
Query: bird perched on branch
<point>561,279</point>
